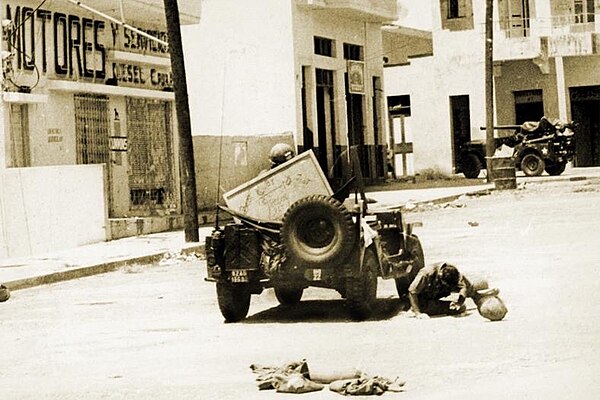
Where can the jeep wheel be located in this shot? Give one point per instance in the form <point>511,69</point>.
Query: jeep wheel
<point>532,165</point>
<point>471,166</point>
<point>234,300</point>
<point>555,169</point>
<point>415,253</point>
<point>361,291</point>
<point>288,296</point>
<point>318,230</point>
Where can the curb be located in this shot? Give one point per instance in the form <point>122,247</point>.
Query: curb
<point>95,269</point>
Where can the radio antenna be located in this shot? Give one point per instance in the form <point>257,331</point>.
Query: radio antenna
<point>220,143</point>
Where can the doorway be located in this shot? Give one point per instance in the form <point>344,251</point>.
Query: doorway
<point>585,110</point>
<point>325,120</point>
<point>460,119</point>
<point>529,105</point>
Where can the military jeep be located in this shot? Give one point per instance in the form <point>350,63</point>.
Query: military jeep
<point>537,147</point>
<point>326,241</point>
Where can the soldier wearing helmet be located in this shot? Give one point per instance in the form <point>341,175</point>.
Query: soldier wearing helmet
<point>281,153</point>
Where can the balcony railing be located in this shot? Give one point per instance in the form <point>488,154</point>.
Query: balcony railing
<point>555,25</point>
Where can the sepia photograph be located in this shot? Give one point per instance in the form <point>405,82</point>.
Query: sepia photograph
<point>255,199</point>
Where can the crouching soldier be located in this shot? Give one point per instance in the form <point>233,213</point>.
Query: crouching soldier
<point>432,284</point>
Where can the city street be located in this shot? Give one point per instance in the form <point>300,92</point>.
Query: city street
<point>156,332</point>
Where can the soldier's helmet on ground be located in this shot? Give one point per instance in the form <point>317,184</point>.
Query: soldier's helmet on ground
<point>4,293</point>
<point>492,308</point>
<point>281,153</point>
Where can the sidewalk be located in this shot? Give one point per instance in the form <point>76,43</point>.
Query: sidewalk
<point>26,272</point>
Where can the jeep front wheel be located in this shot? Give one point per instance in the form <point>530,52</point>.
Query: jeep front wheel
<point>288,296</point>
<point>234,300</point>
<point>532,165</point>
<point>361,290</point>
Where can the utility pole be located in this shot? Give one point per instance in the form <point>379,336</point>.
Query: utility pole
<point>186,149</point>
<point>489,86</point>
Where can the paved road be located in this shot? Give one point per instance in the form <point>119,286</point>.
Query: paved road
<point>156,333</point>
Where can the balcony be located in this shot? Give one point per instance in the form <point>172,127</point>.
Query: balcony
<point>559,35</point>
<point>364,10</point>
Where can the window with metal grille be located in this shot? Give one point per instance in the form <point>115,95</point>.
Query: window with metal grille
<point>92,128</point>
<point>150,152</point>
<point>324,47</point>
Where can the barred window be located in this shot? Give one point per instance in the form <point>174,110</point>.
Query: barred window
<point>150,152</point>
<point>92,128</point>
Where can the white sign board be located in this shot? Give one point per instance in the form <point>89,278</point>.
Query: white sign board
<point>268,196</point>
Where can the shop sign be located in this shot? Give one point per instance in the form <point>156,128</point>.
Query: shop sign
<point>72,47</point>
<point>570,45</point>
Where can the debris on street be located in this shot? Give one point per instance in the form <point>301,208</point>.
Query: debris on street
<point>295,377</point>
<point>177,257</point>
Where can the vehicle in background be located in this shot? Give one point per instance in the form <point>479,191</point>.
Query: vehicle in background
<point>537,147</point>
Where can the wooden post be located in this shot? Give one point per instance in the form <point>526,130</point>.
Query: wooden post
<point>489,86</point>
<point>186,150</point>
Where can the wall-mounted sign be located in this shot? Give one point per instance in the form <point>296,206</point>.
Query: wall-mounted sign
<point>117,143</point>
<point>55,135</point>
<point>77,47</point>
<point>356,76</point>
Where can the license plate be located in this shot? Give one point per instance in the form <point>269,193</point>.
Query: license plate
<point>239,275</point>
<point>317,275</point>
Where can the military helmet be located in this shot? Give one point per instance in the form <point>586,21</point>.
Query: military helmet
<point>281,153</point>
<point>492,308</point>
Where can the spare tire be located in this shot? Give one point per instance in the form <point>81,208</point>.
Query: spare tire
<point>318,230</point>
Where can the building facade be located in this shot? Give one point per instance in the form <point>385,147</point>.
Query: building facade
<point>305,71</point>
<point>546,62</point>
<point>88,84</point>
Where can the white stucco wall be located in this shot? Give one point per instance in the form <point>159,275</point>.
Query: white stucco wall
<point>43,209</point>
<point>457,68</point>
<point>240,68</point>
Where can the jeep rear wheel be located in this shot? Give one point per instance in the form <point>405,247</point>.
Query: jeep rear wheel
<point>361,290</point>
<point>318,230</point>
<point>471,166</point>
<point>414,251</point>
<point>288,296</point>
<point>555,169</point>
<point>532,165</point>
<point>234,300</point>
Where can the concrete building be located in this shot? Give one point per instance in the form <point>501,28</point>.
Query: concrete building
<point>546,62</point>
<point>88,141</point>
<point>308,72</point>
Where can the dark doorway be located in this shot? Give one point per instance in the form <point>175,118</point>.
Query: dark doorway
<point>307,136</point>
<point>529,105</point>
<point>325,119</point>
<point>585,110</point>
<point>356,137</point>
<point>460,116</point>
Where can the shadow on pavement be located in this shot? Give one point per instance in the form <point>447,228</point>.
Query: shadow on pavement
<point>324,311</point>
